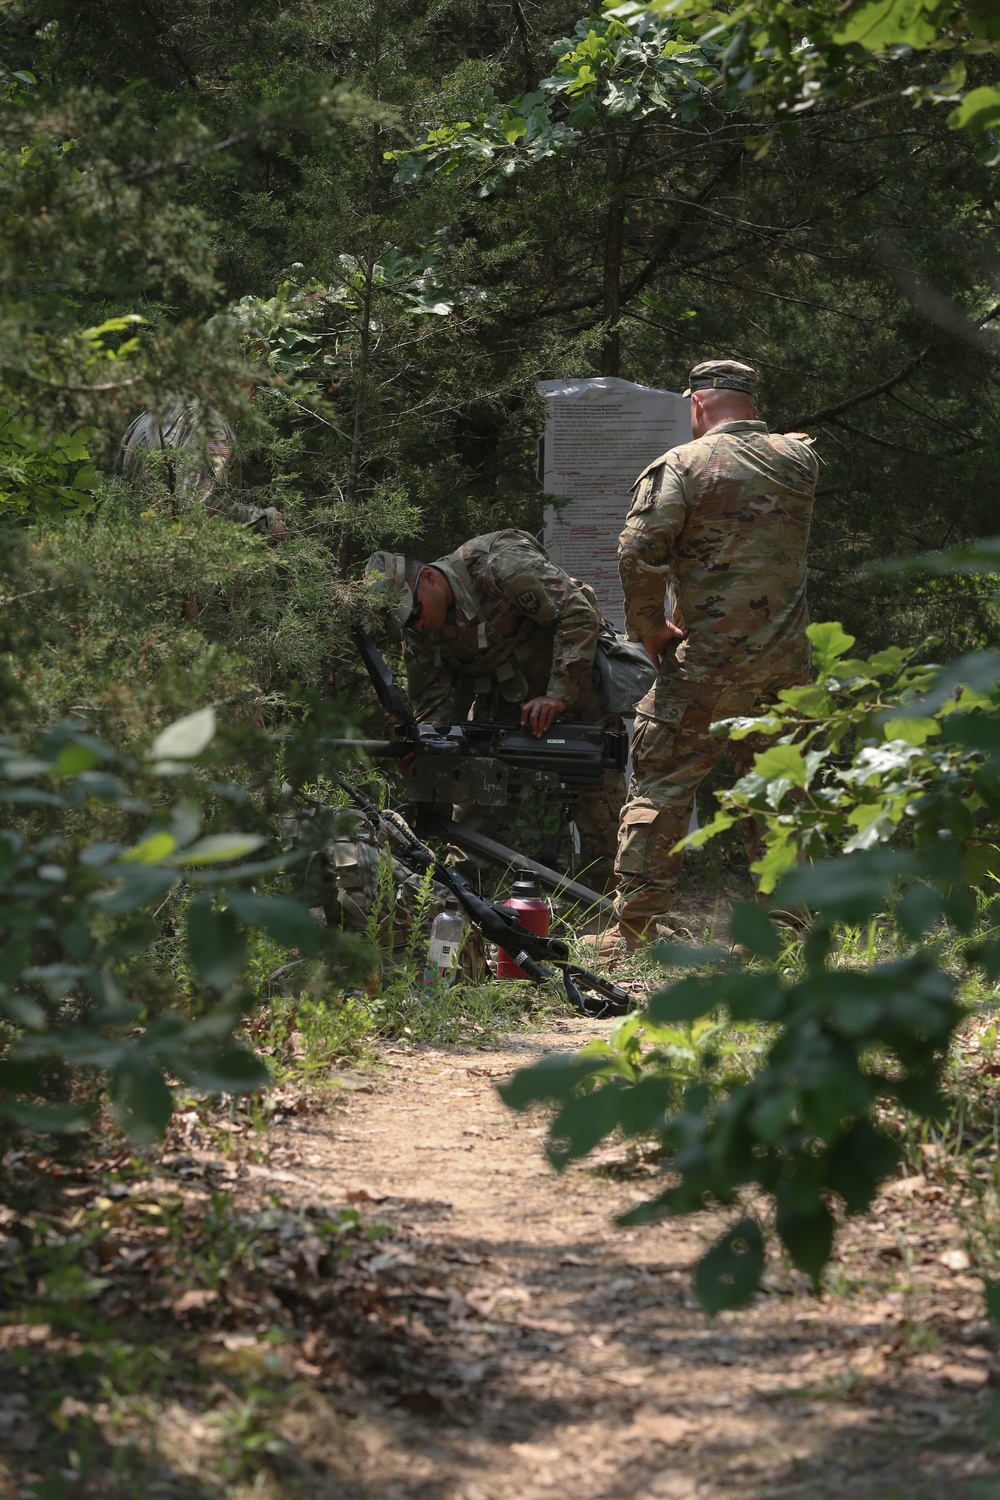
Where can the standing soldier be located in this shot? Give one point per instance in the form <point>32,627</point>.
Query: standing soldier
<point>723,523</point>
<point>497,628</point>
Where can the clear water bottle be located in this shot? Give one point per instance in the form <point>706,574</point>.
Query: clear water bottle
<point>447,931</point>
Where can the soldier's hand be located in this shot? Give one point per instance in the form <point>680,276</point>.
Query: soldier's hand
<point>540,713</point>
<point>663,642</point>
<point>276,528</point>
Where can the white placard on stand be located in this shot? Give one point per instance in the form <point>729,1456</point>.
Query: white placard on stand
<point>600,434</point>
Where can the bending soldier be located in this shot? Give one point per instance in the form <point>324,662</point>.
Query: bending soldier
<point>722,523</point>
<point>496,630</point>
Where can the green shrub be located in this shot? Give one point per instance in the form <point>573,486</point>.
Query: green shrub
<point>79,899</point>
<point>886,775</point>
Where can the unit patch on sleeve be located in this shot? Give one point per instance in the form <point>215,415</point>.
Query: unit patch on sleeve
<point>529,601</point>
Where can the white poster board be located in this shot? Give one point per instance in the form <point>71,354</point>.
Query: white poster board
<point>600,435</point>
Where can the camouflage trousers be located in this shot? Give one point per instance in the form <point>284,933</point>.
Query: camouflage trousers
<point>672,753</point>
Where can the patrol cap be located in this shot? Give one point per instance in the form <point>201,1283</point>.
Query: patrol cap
<point>393,574</point>
<point>721,375</point>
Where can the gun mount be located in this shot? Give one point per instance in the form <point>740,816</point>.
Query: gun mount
<point>476,760</point>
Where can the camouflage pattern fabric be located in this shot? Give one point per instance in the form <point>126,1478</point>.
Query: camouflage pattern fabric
<point>193,448</point>
<point>721,525</point>
<point>671,756</point>
<point>723,522</point>
<point>521,628</point>
<point>367,890</point>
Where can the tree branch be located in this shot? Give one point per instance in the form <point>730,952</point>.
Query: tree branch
<point>869,395</point>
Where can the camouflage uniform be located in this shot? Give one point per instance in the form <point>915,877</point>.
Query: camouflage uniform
<point>521,628</point>
<point>723,523</point>
<point>195,447</point>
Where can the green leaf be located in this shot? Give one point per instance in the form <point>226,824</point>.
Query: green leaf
<point>885,23</point>
<point>554,1078</point>
<point>784,763</point>
<point>229,1070</point>
<point>13,957</point>
<point>687,1000</point>
<point>152,850</point>
<point>142,1101</point>
<point>185,738</point>
<point>25,1012</point>
<point>750,927</point>
<point>54,1119</point>
<point>913,731</point>
<point>978,111</point>
<point>774,864</point>
<point>859,1162</point>
<point>216,945</point>
<point>283,919</point>
<point>806,1233</point>
<point>217,849</point>
<point>142,886</point>
<point>977,731</point>
<point>74,759</point>
<point>583,1122</point>
<point>812,701</point>
<point>830,641</point>
<point>729,1274</point>
<point>991,1292</point>
<point>918,910</point>
<point>849,889</point>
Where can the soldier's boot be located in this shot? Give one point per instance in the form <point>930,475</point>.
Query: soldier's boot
<point>618,939</point>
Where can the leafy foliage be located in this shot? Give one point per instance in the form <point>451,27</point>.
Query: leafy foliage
<point>886,776</point>
<point>790,56</point>
<point>606,70</point>
<point>44,475</point>
<point>79,916</point>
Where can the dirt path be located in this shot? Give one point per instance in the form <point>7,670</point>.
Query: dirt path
<point>522,1345</point>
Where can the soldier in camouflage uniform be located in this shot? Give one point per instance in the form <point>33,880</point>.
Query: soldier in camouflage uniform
<point>722,524</point>
<point>193,448</point>
<point>498,629</point>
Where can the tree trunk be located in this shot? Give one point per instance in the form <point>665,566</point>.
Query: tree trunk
<point>361,383</point>
<point>613,245</point>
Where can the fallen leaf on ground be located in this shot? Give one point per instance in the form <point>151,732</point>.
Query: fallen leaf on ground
<point>660,1426</point>
<point>197,1297</point>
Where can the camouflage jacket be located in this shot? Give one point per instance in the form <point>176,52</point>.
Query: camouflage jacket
<point>521,627</point>
<point>723,523</point>
<point>192,449</point>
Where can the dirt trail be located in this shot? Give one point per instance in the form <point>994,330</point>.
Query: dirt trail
<point>522,1345</point>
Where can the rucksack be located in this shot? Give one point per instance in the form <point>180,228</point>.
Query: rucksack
<point>623,672</point>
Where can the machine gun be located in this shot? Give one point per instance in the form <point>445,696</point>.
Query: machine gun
<point>497,923</point>
<point>476,761</point>
<point>473,761</point>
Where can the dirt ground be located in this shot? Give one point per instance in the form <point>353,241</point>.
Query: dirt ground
<point>518,1344</point>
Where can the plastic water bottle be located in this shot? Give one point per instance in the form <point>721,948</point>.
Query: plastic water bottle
<point>447,931</point>
<point>532,911</point>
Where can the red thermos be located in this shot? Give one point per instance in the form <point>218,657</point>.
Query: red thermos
<point>532,912</point>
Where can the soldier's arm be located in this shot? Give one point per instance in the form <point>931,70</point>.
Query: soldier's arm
<point>430,687</point>
<point>647,547</point>
<point>547,595</point>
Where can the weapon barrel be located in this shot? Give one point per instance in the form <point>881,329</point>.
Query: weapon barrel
<point>392,748</point>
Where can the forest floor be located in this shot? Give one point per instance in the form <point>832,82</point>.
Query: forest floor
<point>480,1328</point>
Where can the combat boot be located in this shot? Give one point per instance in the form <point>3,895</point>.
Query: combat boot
<point>618,939</point>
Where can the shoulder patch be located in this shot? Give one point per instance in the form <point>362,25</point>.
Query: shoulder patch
<point>529,601</point>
